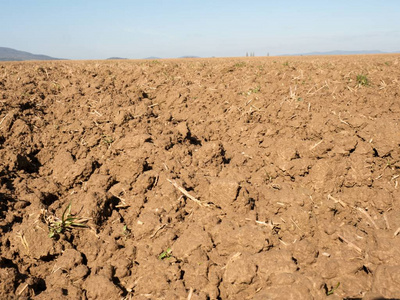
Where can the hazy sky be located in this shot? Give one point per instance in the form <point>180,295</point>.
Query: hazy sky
<point>97,29</point>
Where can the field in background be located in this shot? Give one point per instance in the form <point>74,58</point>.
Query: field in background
<point>241,178</point>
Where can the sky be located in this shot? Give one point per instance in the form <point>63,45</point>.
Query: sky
<point>98,29</point>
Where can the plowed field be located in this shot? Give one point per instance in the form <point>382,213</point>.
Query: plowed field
<point>240,178</point>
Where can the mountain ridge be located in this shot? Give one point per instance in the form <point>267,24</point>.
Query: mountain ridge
<point>9,54</point>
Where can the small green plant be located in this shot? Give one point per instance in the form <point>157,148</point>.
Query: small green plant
<point>240,64</point>
<point>252,91</point>
<point>166,254</point>
<point>268,177</point>
<point>387,63</point>
<point>107,140</point>
<point>286,64</point>
<point>362,80</point>
<point>390,164</point>
<point>66,223</point>
<point>331,290</point>
<point>56,86</point>
<point>256,89</point>
<point>126,231</point>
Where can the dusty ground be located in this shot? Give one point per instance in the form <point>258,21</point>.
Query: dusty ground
<point>256,178</point>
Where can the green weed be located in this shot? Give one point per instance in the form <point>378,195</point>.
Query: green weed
<point>240,64</point>
<point>166,254</point>
<point>126,231</point>
<point>362,80</point>
<point>65,223</point>
<point>107,140</point>
<point>331,290</point>
<point>253,90</point>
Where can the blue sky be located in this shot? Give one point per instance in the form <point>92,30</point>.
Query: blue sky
<point>170,28</point>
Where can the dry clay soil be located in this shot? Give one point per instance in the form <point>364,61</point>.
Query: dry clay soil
<point>241,178</point>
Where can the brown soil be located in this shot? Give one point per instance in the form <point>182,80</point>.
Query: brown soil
<point>256,178</point>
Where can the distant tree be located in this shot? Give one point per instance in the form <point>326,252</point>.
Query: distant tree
<point>247,54</point>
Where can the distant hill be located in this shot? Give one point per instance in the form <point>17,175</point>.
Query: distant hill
<point>337,52</point>
<point>152,57</point>
<point>189,56</point>
<point>8,54</point>
<point>186,56</point>
<point>116,58</point>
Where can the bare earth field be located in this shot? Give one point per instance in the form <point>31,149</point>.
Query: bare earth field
<point>241,178</point>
